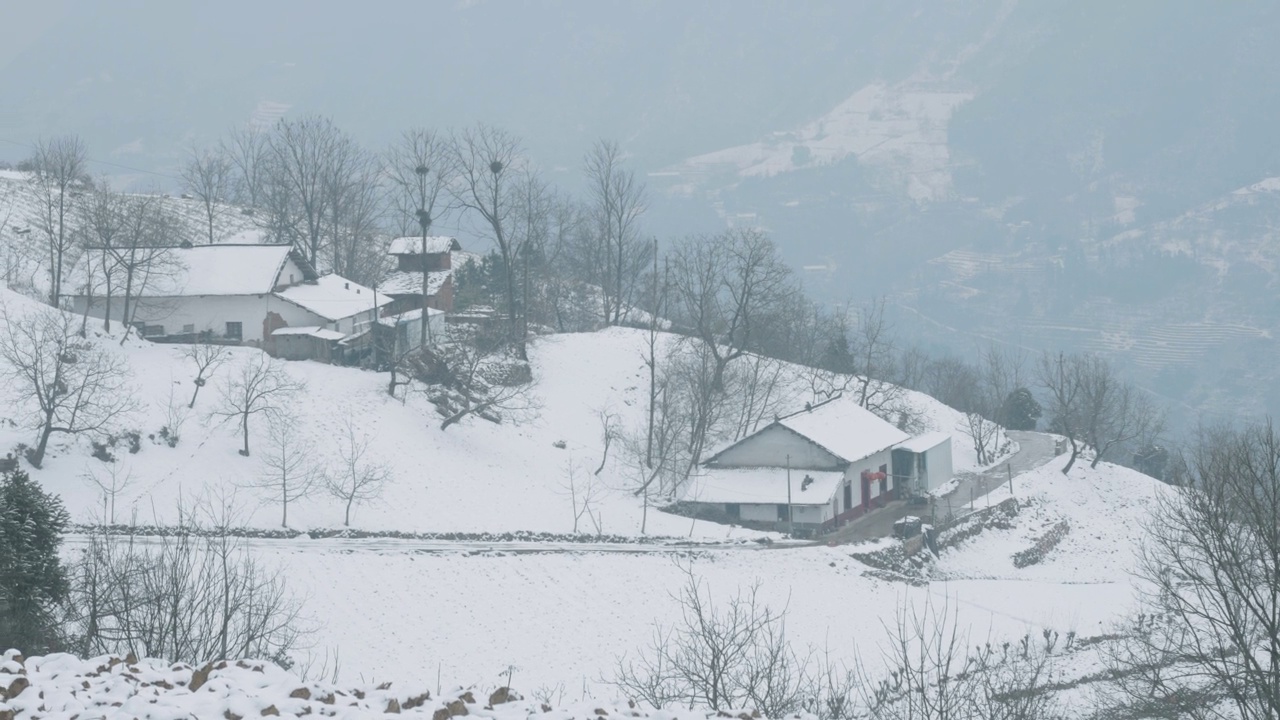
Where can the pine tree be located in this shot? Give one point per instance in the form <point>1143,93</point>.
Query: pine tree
<point>1021,411</point>
<point>33,582</point>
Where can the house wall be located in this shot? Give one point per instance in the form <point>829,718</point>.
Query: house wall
<point>420,263</point>
<point>770,448</point>
<point>767,514</point>
<point>207,313</point>
<point>938,468</point>
<point>290,274</point>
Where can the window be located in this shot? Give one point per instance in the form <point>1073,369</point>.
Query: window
<point>234,331</point>
<point>188,329</point>
<point>784,512</point>
<point>152,330</point>
<point>733,510</point>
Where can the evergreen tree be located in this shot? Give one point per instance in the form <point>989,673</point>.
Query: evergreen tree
<point>1020,410</point>
<point>33,582</point>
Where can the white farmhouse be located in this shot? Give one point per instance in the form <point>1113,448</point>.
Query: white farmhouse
<point>817,469</point>
<point>262,295</point>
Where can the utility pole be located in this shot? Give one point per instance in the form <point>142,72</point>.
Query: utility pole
<point>791,523</point>
<point>424,221</point>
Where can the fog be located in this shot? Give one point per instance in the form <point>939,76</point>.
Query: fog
<point>1093,176</point>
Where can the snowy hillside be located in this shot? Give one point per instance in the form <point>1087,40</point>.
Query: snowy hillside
<point>475,477</point>
<point>407,611</point>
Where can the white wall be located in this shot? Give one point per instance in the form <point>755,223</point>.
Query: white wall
<point>758,513</point>
<point>210,312</point>
<point>770,448</point>
<point>853,475</point>
<point>938,466</point>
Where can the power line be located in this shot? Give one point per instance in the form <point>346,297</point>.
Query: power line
<point>102,162</point>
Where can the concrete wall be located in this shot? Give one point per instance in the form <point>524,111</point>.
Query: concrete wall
<point>938,468</point>
<point>208,313</point>
<point>771,446</point>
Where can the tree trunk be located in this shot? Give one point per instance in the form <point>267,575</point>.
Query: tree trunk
<point>1075,453</point>
<point>37,457</point>
<point>346,520</point>
<point>199,383</point>
<point>244,423</point>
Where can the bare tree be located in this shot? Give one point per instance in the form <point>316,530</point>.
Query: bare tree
<point>934,673</point>
<point>193,596</point>
<point>207,174</point>
<point>57,168</point>
<point>300,151</point>
<point>246,148</point>
<point>721,658</point>
<point>873,351</point>
<point>66,384</point>
<point>208,357</point>
<point>1113,412</point>
<point>144,258</point>
<point>582,491</point>
<point>419,166</point>
<point>1090,404</point>
<point>260,386</point>
<point>722,288</point>
<point>289,470</point>
<point>486,159</point>
<point>350,183</point>
<point>617,200</point>
<point>1062,378</point>
<point>110,479</point>
<point>359,478</point>
<point>1209,632</point>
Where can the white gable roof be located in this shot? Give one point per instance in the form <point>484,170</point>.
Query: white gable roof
<point>333,297</point>
<point>208,270</point>
<point>925,442</point>
<point>844,428</point>
<point>414,245</point>
<point>762,485</point>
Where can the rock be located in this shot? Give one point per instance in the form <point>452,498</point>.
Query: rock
<point>199,678</point>
<point>457,708</point>
<point>393,707</point>
<point>441,714</point>
<point>499,696</point>
<point>270,710</point>
<point>16,687</point>
<point>130,659</point>
<point>602,712</point>
<point>6,715</point>
<point>546,708</point>
<point>416,701</point>
<point>468,698</point>
<point>328,699</point>
<point>231,716</point>
<point>384,686</point>
<point>301,694</point>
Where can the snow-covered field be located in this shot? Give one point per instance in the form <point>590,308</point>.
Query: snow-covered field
<point>561,617</point>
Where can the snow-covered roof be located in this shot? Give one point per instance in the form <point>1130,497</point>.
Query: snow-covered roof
<point>311,331</point>
<point>762,485</point>
<point>410,283</point>
<point>414,245</point>
<point>844,428</point>
<point>333,297</point>
<point>925,442</point>
<point>225,269</point>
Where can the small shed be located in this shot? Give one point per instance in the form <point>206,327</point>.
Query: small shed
<point>923,463</point>
<point>306,343</point>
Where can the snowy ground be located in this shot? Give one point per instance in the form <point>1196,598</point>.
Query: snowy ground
<point>411,613</point>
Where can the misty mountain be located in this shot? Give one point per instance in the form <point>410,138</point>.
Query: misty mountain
<point>1050,174</point>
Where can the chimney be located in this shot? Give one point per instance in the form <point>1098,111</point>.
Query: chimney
<point>346,286</point>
